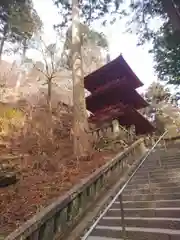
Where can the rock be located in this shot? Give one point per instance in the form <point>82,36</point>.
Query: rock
<point>7,178</point>
<point>5,167</point>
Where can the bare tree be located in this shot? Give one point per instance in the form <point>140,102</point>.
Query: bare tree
<point>52,65</point>
<point>48,68</point>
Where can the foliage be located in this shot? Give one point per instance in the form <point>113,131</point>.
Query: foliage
<point>47,168</point>
<point>89,10</point>
<point>27,24</point>
<point>18,22</point>
<point>88,35</point>
<point>10,119</point>
<point>163,105</point>
<point>166,14</point>
<point>144,11</point>
<point>157,93</point>
<point>165,36</point>
<point>141,12</point>
<point>92,43</point>
<point>166,51</point>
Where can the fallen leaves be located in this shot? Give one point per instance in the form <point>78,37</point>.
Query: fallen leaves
<point>47,172</point>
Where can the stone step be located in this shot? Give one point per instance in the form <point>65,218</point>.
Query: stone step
<point>165,165</point>
<point>157,172</point>
<point>170,212</point>
<point>169,154</point>
<point>166,184</point>
<point>157,167</point>
<point>166,154</point>
<point>168,159</point>
<point>155,160</point>
<point>136,233</point>
<point>155,196</point>
<point>174,180</point>
<point>170,164</point>
<point>149,204</point>
<point>152,189</point>
<point>101,238</point>
<point>156,180</point>
<point>163,177</point>
<point>150,213</point>
<point>172,223</point>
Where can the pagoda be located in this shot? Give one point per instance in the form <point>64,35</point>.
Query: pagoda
<point>114,96</point>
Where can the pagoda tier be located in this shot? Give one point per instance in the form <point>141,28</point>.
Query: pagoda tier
<point>112,94</point>
<point>116,69</point>
<point>126,116</point>
<point>108,113</point>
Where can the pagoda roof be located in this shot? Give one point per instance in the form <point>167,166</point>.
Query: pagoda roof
<point>116,69</point>
<point>112,94</point>
<point>133,117</point>
<point>126,115</point>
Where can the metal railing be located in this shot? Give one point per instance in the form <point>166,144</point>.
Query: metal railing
<point>120,193</point>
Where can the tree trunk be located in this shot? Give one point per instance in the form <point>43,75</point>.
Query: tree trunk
<point>80,122</point>
<point>21,75</point>
<point>173,13</point>
<point>49,94</point>
<point>25,47</point>
<point>18,82</point>
<point>3,40</point>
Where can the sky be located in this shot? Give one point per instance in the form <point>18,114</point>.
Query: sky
<point>120,42</point>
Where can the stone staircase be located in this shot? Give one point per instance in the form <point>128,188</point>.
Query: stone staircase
<point>151,203</point>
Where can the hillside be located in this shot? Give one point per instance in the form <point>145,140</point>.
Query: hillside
<point>39,151</point>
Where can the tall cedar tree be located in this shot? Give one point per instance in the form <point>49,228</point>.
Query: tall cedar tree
<point>18,22</point>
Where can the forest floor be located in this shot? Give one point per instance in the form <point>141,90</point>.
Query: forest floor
<point>45,167</point>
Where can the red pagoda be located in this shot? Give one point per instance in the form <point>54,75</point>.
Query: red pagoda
<point>114,96</point>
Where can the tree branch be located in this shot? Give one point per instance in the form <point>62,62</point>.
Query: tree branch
<point>172,12</point>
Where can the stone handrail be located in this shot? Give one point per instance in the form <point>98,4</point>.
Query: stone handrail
<point>54,221</point>
<point>174,141</point>
<point>166,141</point>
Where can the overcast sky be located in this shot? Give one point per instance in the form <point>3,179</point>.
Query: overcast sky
<point>119,42</point>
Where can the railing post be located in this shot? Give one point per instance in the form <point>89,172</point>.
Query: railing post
<point>159,160</point>
<point>165,145</point>
<point>149,181</point>
<point>122,217</point>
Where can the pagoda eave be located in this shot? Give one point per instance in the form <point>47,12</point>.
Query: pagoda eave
<point>126,116</point>
<point>116,69</point>
<point>115,93</point>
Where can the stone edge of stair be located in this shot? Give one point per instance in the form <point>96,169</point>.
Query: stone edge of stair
<point>99,206</point>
